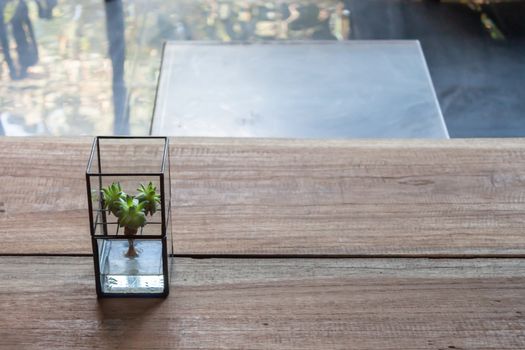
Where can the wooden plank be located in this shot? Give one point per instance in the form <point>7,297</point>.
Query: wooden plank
<point>258,196</point>
<point>50,303</point>
<point>350,197</point>
<point>43,192</point>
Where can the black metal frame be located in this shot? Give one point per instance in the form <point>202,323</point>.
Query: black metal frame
<point>165,210</point>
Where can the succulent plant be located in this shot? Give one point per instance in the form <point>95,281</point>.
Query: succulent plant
<point>131,211</point>
<point>148,195</point>
<point>112,196</point>
<point>131,215</point>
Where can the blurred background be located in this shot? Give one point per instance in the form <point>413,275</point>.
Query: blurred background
<point>86,67</point>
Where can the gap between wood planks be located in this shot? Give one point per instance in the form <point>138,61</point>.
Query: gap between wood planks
<point>304,256</point>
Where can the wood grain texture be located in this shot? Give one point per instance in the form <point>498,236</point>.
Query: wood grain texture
<point>50,303</point>
<point>43,191</point>
<point>260,196</point>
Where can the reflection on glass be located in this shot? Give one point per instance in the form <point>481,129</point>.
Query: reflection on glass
<point>90,66</point>
<point>74,67</point>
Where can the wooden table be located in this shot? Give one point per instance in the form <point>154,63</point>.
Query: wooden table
<point>280,244</point>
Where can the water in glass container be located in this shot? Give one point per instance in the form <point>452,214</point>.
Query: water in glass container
<point>121,273</point>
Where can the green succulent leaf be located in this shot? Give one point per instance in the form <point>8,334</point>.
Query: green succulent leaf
<point>131,214</point>
<point>148,196</point>
<point>112,196</point>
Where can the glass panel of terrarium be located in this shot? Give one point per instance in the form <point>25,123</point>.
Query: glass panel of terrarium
<point>131,266</point>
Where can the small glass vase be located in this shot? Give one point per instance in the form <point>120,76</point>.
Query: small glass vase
<point>130,261</point>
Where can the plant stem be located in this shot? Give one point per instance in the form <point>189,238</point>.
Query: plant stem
<point>132,252</point>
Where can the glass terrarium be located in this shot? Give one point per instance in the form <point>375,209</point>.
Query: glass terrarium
<point>129,196</point>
